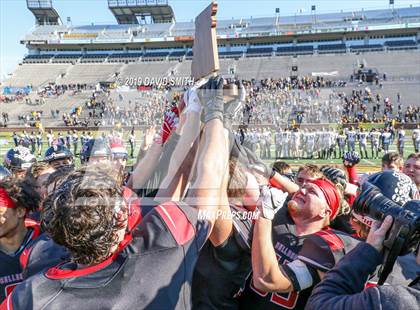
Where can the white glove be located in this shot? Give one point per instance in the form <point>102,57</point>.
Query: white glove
<point>271,200</point>
<point>191,100</point>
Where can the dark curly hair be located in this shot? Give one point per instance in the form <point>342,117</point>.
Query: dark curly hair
<point>22,193</point>
<point>84,214</point>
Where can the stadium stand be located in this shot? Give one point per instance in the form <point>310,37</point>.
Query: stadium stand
<point>45,58</point>
<point>36,74</point>
<point>147,69</point>
<point>90,73</point>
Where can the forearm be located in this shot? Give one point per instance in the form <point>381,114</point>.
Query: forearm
<point>284,183</point>
<point>191,131</point>
<point>267,275</point>
<point>212,164</point>
<point>352,174</point>
<point>145,167</point>
<point>223,225</point>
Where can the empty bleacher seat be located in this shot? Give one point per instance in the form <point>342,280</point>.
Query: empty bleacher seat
<point>400,43</point>
<point>259,51</point>
<point>156,54</point>
<point>38,58</point>
<point>231,54</point>
<point>303,49</point>
<point>126,55</point>
<point>331,48</point>
<point>45,56</point>
<point>366,47</point>
<point>177,54</point>
<point>95,55</point>
<point>73,56</point>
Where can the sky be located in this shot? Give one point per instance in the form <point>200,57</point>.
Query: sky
<point>16,20</point>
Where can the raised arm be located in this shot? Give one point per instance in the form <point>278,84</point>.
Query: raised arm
<point>267,275</point>
<point>212,163</point>
<point>181,162</point>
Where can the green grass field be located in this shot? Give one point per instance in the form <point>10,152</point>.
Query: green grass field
<point>366,165</point>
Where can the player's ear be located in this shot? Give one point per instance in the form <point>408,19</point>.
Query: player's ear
<point>325,211</point>
<point>21,212</point>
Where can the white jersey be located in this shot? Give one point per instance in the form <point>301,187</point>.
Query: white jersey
<point>341,140</point>
<point>132,138</point>
<point>386,137</point>
<point>267,137</point>
<point>351,136</point>
<point>50,137</point>
<point>286,137</point>
<point>278,137</point>
<point>363,138</point>
<point>310,138</point>
<point>295,138</point>
<point>401,134</point>
<point>374,137</point>
<point>254,137</point>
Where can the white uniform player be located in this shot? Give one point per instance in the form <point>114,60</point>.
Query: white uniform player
<point>295,142</point>
<point>374,137</point>
<point>310,143</point>
<point>351,140</point>
<point>286,141</point>
<point>362,136</point>
<point>278,140</point>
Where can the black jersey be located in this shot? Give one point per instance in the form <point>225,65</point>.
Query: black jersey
<point>40,254</point>
<point>151,269</point>
<point>300,258</point>
<point>221,270</point>
<point>11,271</point>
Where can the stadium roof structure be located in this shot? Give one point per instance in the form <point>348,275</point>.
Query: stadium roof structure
<point>343,22</point>
<point>44,12</point>
<point>129,11</point>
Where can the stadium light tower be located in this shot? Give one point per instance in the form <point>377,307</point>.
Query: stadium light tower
<point>128,11</point>
<point>313,11</point>
<point>44,12</point>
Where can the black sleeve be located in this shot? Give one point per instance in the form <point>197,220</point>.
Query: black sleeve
<point>343,287</point>
<point>172,225</point>
<point>317,253</point>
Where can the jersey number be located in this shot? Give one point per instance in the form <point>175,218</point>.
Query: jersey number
<point>286,300</point>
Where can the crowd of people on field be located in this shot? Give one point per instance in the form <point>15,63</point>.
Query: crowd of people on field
<point>201,221</point>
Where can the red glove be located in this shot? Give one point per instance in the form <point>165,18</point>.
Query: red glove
<point>170,122</point>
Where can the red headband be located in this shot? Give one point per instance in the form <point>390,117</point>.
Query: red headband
<point>5,200</point>
<point>331,195</point>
